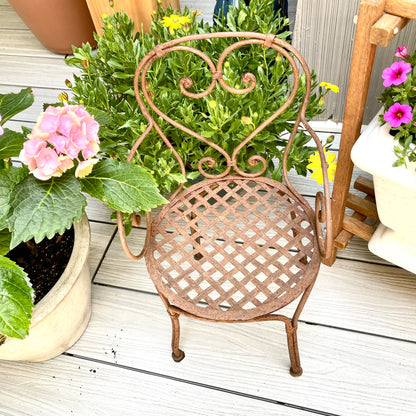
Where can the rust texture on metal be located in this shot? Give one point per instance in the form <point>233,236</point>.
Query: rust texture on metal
<point>237,246</point>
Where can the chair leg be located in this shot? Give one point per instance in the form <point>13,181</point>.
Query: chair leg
<point>292,343</point>
<point>177,354</point>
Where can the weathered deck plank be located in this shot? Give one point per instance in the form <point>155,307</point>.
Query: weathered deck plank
<point>344,372</point>
<point>75,386</point>
<point>358,357</point>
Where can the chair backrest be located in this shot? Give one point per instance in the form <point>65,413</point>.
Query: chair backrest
<point>207,165</point>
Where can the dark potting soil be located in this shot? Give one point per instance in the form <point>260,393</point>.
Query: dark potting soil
<point>44,262</point>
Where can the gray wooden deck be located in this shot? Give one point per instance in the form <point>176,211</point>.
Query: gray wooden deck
<point>357,334</point>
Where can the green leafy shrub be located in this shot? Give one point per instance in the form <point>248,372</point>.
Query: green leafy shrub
<point>105,87</point>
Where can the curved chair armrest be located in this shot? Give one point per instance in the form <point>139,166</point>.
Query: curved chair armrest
<point>136,219</point>
<point>323,215</point>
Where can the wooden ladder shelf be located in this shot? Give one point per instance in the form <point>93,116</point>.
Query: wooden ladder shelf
<point>379,21</point>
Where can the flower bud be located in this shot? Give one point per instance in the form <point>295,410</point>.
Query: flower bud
<point>63,97</point>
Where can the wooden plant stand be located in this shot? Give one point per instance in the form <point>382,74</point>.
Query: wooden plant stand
<point>379,21</point>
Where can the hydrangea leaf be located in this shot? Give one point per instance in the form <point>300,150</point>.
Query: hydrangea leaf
<point>16,299</point>
<point>11,142</point>
<point>9,178</point>
<point>5,238</point>
<point>13,103</point>
<point>124,186</point>
<point>41,209</point>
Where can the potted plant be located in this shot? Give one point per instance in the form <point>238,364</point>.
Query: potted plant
<point>57,25</point>
<point>61,160</point>
<point>140,12</point>
<point>387,150</point>
<point>105,83</point>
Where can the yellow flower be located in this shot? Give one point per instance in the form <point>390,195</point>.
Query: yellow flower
<point>315,165</point>
<point>329,86</point>
<point>174,22</point>
<point>212,103</point>
<point>227,64</point>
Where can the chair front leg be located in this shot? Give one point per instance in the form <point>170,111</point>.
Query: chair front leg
<point>177,354</point>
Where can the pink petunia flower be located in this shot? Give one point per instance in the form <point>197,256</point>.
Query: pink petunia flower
<point>402,52</point>
<point>396,73</point>
<point>398,114</point>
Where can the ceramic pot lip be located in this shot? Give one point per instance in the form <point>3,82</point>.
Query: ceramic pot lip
<point>82,235</point>
<point>373,152</point>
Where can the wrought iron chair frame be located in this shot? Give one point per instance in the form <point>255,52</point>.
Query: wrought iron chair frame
<point>322,212</point>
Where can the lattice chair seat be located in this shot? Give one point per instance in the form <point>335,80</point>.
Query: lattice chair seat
<point>236,246</point>
<point>233,248</point>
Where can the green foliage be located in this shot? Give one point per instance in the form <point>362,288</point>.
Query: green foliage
<point>123,186</point>
<point>40,209</point>
<point>405,134</point>
<point>16,299</point>
<point>9,178</point>
<point>12,104</point>
<point>105,84</point>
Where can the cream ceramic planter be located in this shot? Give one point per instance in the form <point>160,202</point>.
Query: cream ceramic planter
<point>395,191</point>
<point>61,317</point>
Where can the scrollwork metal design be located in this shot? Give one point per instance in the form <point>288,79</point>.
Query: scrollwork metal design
<point>249,80</point>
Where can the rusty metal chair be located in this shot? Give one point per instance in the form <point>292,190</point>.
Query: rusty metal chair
<point>237,246</point>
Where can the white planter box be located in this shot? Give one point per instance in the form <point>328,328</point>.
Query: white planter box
<point>395,191</point>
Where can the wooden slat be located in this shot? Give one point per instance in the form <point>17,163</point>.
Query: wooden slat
<point>386,28</point>
<point>34,71</point>
<point>101,235</point>
<point>363,206</point>
<point>359,228</point>
<point>344,294</point>
<point>344,237</point>
<point>365,185</point>
<point>75,386</point>
<point>22,42</point>
<point>344,372</point>
<point>405,8</point>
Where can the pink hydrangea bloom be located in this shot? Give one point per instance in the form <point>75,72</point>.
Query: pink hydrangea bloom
<point>398,114</point>
<point>47,163</point>
<point>61,135</point>
<point>396,73</point>
<point>84,168</point>
<point>48,121</point>
<point>402,52</point>
<point>30,151</point>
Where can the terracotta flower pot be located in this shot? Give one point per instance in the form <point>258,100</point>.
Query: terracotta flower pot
<point>395,191</point>
<point>61,317</point>
<point>57,24</point>
<point>138,11</point>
